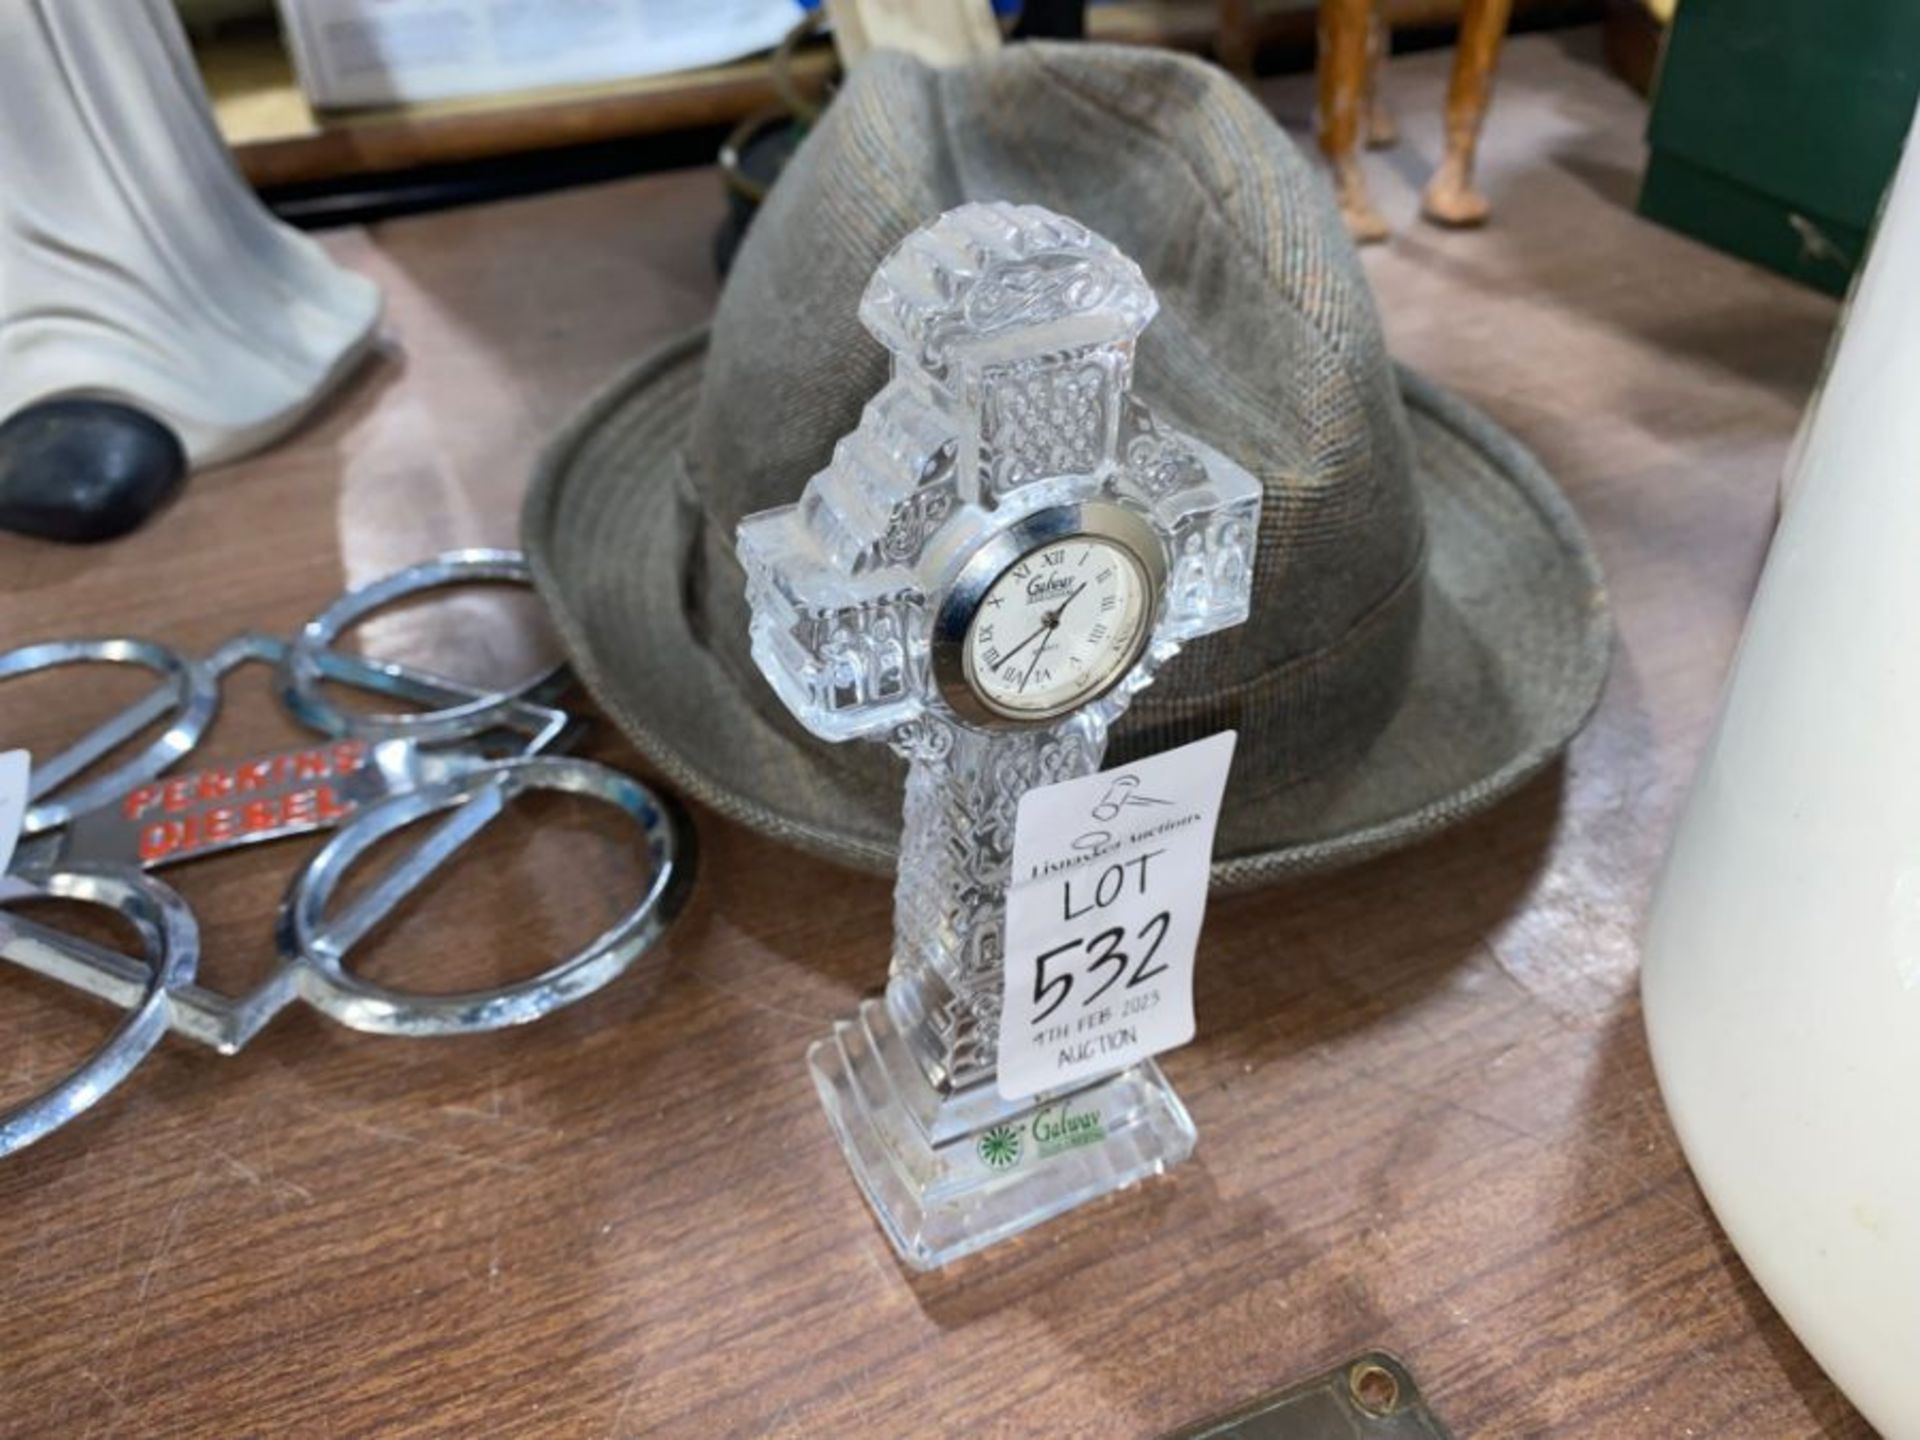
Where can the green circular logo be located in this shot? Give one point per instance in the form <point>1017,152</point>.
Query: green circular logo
<point>1000,1146</point>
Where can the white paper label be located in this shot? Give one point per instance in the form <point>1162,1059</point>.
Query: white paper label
<point>14,769</point>
<point>375,52</point>
<point>1103,916</point>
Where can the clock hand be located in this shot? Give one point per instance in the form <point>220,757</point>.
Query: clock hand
<point>1045,625</point>
<point>1031,664</point>
<point>1054,619</point>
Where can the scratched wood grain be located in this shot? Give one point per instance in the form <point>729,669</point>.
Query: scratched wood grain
<point>1428,1120</point>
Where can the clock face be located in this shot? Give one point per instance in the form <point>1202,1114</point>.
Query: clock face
<point>1058,627</point>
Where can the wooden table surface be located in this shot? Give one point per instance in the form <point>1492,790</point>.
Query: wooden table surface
<point>1427,1116</point>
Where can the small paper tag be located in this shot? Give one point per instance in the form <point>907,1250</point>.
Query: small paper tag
<point>14,770</point>
<point>1103,916</point>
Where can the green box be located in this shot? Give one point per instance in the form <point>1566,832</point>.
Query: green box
<point>1777,124</point>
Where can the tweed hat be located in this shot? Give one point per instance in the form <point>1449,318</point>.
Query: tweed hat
<point>1428,627</point>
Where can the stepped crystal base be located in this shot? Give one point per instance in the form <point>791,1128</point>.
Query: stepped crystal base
<point>947,1175</point>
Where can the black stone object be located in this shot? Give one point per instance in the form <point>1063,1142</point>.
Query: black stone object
<point>1052,20</point>
<point>85,470</point>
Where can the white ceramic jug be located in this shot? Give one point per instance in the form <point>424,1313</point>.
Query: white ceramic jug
<point>1781,973</point>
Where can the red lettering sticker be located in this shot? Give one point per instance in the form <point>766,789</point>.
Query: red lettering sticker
<point>159,840</point>
<point>218,824</point>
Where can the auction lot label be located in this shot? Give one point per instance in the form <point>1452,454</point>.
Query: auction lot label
<point>1108,891</point>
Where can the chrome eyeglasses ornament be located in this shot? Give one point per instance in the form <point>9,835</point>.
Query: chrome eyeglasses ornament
<point>464,757</point>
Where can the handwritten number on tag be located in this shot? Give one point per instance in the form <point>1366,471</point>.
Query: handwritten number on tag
<point>1161,921</point>
<point>1104,949</point>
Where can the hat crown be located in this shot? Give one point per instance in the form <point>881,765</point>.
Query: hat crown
<point>1266,347</point>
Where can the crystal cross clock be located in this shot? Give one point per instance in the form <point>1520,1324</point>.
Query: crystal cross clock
<point>996,560</point>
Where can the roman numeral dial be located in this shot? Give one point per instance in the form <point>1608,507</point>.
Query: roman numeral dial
<point>1059,627</point>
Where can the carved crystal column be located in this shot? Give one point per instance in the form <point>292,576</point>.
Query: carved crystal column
<point>1005,440</point>
<point>956,854</point>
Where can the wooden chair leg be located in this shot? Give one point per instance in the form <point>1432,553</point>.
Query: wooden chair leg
<point>1450,198</point>
<point>1381,130</point>
<point>1233,42</point>
<point>1343,84</point>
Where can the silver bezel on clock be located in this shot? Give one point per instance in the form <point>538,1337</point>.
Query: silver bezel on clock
<point>1086,519</point>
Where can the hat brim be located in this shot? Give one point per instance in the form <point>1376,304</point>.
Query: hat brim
<point>1513,646</point>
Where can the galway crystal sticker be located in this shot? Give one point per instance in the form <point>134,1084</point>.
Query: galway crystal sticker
<point>1103,916</point>
<point>1030,1139</point>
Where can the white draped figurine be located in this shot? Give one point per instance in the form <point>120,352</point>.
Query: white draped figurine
<point>135,264</point>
